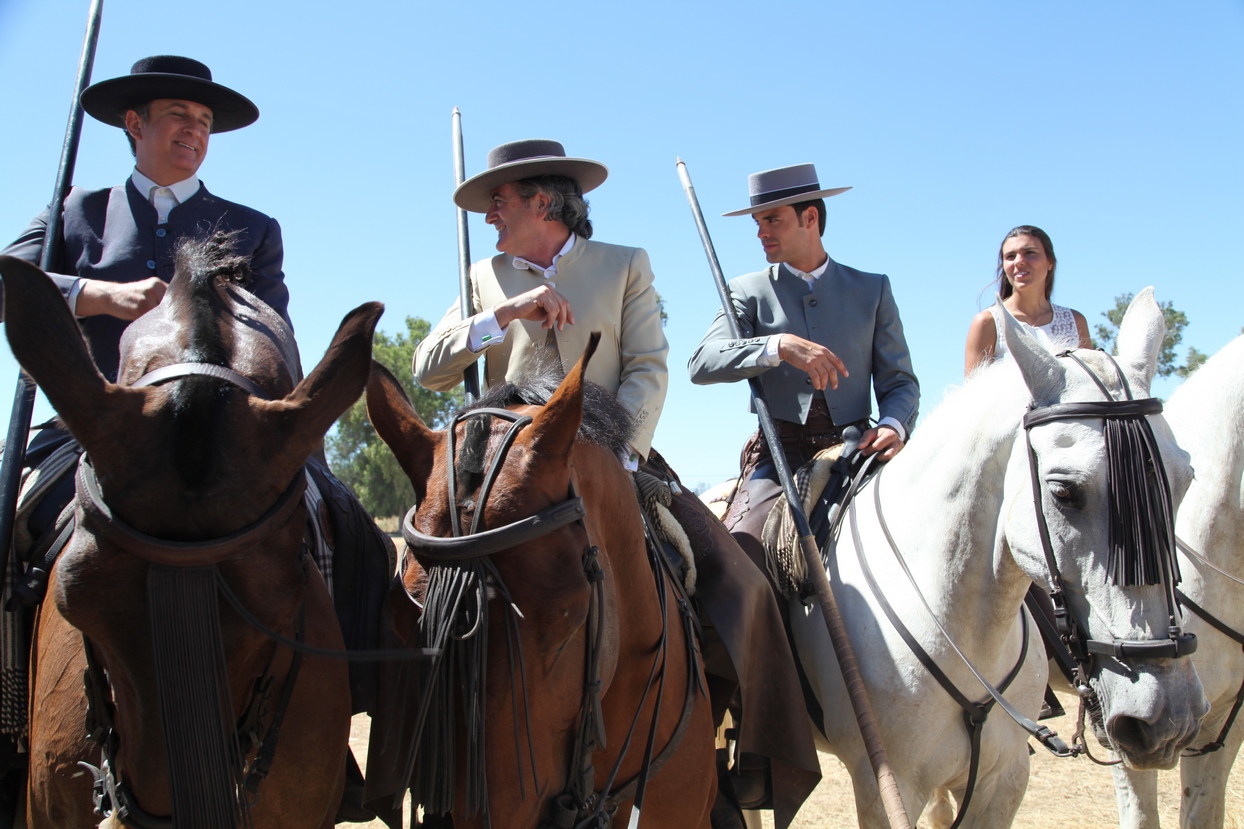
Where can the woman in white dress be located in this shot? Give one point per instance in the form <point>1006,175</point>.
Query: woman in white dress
<point>1026,266</point>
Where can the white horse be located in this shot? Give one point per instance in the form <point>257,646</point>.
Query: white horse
<point>1207,416</point>
<point>959,505</point>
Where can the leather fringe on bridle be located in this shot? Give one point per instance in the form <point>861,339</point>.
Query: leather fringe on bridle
<point>196,708</point>
<point>1142,549</point>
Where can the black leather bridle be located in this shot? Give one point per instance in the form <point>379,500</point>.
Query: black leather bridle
<point>1073,633</point>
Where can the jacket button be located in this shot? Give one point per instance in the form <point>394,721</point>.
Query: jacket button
<point>151,264</point>
<point>807,381</point>
<point>161,232</point>
<point>812,303</point>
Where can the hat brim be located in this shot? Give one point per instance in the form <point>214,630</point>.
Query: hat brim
<point>475,194</point>
<point>109,100</point>
<point>802,197</point>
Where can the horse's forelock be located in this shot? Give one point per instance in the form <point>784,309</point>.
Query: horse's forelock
<point>605,422</point>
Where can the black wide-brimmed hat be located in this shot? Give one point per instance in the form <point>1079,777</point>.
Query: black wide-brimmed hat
<point>526,159</point>
<point>785,185</point>
<point>168,76</point>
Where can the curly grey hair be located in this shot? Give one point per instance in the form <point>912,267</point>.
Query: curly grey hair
<point>566,202</point>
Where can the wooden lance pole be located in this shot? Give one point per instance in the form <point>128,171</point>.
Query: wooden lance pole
<point>470,376</point>
<point>886,782</point>
<point>24,397</point>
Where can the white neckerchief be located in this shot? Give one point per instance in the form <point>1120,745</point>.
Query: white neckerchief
<point>551,271</point>
<point>162,198</point>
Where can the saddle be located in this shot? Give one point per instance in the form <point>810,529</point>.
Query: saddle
<point>654,499</point>
<point>825,485</point>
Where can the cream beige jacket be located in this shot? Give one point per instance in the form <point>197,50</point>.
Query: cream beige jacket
<point>610,290</point>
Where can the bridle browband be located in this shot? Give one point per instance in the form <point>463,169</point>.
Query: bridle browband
<point>1130,413</point>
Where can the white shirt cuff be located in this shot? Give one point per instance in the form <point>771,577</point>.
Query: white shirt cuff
<point>72,299</point>
<point>769,357</point>
<point>896,426</point>
<point>484,331</point>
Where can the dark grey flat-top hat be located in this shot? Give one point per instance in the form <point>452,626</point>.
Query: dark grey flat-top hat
<point>526,159</point>
<point>168,76</point>
<point>785,185</point>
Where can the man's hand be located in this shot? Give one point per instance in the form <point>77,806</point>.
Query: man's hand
<point>124,300</point>
<point>883,441</point>
<point>544,304</point>
<point>821,364</point>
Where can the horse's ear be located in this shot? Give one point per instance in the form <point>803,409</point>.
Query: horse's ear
<point>556,425</point>
<point>1043,373</point>
<point>1140,339</point>
<point>48,344</point>
<point>306,414</point>
<point>399,426</point>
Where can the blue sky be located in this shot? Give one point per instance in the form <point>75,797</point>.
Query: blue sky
<point>1117,127</point>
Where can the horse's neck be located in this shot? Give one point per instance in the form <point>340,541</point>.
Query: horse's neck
<point>1206,414</point>
<point>942,497</point>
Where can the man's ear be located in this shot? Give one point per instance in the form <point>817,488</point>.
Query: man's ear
<point>133,124</point>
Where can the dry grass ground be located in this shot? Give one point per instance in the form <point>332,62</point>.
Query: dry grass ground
<point>1069,794</point>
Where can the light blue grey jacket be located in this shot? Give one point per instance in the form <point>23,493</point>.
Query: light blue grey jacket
<point>850,312</point>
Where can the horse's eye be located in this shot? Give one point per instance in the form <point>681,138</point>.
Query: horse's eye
<point>1065,493</point>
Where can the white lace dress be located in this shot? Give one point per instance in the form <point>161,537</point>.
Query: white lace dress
<point>1058,335</point>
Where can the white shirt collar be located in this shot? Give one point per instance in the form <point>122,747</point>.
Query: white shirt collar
<point>815,273</point>
<point>180,191</point>
<point>551,271</point>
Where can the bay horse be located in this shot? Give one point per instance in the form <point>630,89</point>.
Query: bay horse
<point>1004,484</point>
<point>189,512</point>
<point>585,679</point>
<point>1206,413</point>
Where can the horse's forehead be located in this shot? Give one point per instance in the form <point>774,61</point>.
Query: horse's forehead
<point>255,337</point>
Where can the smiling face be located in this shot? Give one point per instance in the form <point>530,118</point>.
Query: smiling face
<point>518,221</point>
<point>171,143</point>
<point>1026,264</point>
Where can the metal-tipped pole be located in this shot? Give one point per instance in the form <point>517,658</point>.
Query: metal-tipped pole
<point>470,376</point>
<point>24,396</point>
<point>886,782</point>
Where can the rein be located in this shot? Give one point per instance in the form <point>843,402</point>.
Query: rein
<point>1223,628</point>
<point>461,562</point>
<point>974,713</point>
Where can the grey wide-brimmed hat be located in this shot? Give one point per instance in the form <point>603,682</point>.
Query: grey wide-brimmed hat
<point>526,159</point>
<point>168,76</point>
<point>785,185</point>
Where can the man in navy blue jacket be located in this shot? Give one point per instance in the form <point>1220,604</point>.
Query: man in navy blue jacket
<point>117,255</point>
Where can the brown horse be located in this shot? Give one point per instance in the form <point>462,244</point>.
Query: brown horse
<point>188,500</point>
<point>585,671</point>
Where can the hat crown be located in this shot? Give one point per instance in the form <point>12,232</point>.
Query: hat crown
<point>795,178</point>
<point>172,65</point>
<point>523,150</point>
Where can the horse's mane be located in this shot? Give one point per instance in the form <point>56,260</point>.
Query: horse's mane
<point>605,423</point>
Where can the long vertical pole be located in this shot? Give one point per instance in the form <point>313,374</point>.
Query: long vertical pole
<point>24,397</point>
<point>470,377</point>
<point>886,782</point>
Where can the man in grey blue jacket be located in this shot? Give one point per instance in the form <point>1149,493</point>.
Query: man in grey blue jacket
<point>819,335</point>
<point>118,243</point>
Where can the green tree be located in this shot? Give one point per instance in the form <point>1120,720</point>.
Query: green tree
<point>1108,332</point>
<point>357,454</point>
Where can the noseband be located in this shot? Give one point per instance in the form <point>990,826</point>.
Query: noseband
<point>1129,440</point>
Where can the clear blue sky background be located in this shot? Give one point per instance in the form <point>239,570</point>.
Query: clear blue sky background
<point>1116,126</point>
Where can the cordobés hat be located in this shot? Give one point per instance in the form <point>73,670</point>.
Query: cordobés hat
<point>526,159</point>
<point>168,76</point>
<point>785,185</point>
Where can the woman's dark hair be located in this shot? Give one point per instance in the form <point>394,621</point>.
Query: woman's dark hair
<point>1004,284</point>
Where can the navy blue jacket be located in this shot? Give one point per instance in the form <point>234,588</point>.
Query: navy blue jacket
<point>114,235</point>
